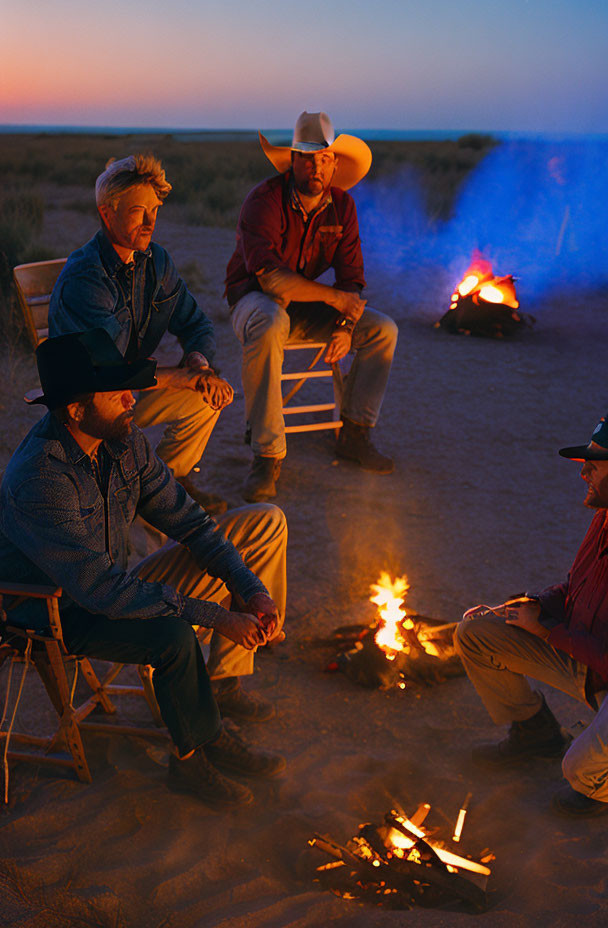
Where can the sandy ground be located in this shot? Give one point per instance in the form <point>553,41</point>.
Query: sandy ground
<point>479,506</point>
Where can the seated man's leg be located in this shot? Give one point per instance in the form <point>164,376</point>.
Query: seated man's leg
<point>262,327</point>
<point>190,422</point>
<point>169,644</point>
<point>259,533</point>
<point>374,341</point>
<point>497,658</point>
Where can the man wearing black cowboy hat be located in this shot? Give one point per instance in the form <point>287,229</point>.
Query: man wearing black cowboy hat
<point>291,229</point>
<point>69,495</point>
<point>558,636</point>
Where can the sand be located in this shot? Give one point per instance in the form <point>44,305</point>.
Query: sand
<point>480,506</point>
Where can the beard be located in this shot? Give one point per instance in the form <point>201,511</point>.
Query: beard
<point>95,425</point>
<point>597,497</point>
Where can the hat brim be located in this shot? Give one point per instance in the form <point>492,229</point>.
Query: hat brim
<point>135,375</point>
<point>584,453</point>
<point>354,158</point>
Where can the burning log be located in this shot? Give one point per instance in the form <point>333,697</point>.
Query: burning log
<point>397,865</point>
<point>399,646</point>
<point>483,304</point>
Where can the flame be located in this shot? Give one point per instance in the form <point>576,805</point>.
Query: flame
<point>480,283</point>
<point>388,596</point>
<point>400,843</point>
<point>469,283</point>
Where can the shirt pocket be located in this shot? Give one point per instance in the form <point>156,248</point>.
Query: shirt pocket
<point>328,238</point>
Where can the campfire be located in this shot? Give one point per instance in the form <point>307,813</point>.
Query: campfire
<point>398,645</point>
<point>401,864</point>
<point>483,304</point>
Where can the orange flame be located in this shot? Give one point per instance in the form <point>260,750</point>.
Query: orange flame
<point>388,596</point>
<point>480,283</point>
<point>400,844</point>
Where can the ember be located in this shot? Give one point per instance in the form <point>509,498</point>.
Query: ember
<point>398,865</point>
<point>483,304</point>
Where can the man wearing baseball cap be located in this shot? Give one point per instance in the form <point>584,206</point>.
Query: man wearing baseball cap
<point>558,636</point>
<point>67,500</point>
<point>292,228</point>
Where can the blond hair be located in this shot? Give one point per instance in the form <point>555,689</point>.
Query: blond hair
<point>130,172</point>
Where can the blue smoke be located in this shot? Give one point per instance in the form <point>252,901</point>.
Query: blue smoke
<point>535,209</point>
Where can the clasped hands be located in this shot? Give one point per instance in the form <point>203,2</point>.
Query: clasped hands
<point>197,375</point>
<point>256,625</point>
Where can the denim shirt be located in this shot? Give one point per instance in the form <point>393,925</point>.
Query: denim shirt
<point>58,528</point>
<point>135,303</point>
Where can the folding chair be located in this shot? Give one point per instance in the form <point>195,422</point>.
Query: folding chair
<point>47,653</point>
<point>34,284</point>
<point>301,376</point>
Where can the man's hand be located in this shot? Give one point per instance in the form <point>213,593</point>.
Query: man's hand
<point>263,608</point>
<point>215,390</point>
<point>338,346</point>
<point>196,361</point>
<point>243,629</point>
<point>524,614</point>
<point>348,304</point>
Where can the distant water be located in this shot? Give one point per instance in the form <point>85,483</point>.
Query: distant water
<point>283,136</point>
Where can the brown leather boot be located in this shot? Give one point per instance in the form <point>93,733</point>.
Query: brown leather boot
<point>354,444</point>
<point>229,754</point>
<point>539,736</point>
<point>199,778</point>
<point>261,480</point>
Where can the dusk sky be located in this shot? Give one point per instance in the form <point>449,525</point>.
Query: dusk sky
<point>519,65</point>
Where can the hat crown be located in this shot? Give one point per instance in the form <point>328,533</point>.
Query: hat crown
<point>313,131</point>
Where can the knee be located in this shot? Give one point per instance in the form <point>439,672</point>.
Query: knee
<point>470,634</point>
<point>175,640</point>
<point>380,329</point>
<point>268,323</point>
<point>389,331</point>
<point>275,520</point>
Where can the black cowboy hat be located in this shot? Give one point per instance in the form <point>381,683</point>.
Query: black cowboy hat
<point>596,450</point>
<point>86,362</point>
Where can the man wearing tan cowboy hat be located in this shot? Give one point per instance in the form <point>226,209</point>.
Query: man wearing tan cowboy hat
<point>558,636</point>
<point>292,228</point>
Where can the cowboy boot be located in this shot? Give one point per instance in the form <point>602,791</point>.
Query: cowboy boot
<point>261,480</point>
<point>354,444</point>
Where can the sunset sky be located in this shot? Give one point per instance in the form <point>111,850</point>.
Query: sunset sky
<point>520,65</point>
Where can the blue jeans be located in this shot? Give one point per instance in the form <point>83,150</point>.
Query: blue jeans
<point>263,327</point>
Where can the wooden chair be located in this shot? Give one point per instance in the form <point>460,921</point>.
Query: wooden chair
<point>301,376</point>
<point>34,284</point>
<point>47,652</point>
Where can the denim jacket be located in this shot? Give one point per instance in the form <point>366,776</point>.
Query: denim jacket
<point>136,303</point>
<point>58,528</point>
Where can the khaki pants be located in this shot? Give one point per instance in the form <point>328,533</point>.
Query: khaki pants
<point>263,327</point>
<point>259,533</point>
<point>498,657</point>
<point>190,422</point>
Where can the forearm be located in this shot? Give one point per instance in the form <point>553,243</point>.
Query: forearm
<point>287,286</point>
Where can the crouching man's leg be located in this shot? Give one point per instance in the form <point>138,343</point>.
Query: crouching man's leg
<point>259,533</point>
<point>585,766</point>
<point>497,658</point>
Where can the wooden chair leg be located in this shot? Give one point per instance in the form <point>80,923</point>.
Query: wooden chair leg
<point>145,672</point>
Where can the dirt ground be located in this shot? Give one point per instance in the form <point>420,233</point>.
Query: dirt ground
<point>480,506</point>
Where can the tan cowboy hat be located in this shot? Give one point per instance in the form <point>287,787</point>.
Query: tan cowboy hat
<point>314,132</point>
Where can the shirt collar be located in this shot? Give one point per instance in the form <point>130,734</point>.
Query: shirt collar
<point>110,256</point>
<point>68,448</point>
<point>296,203</point>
